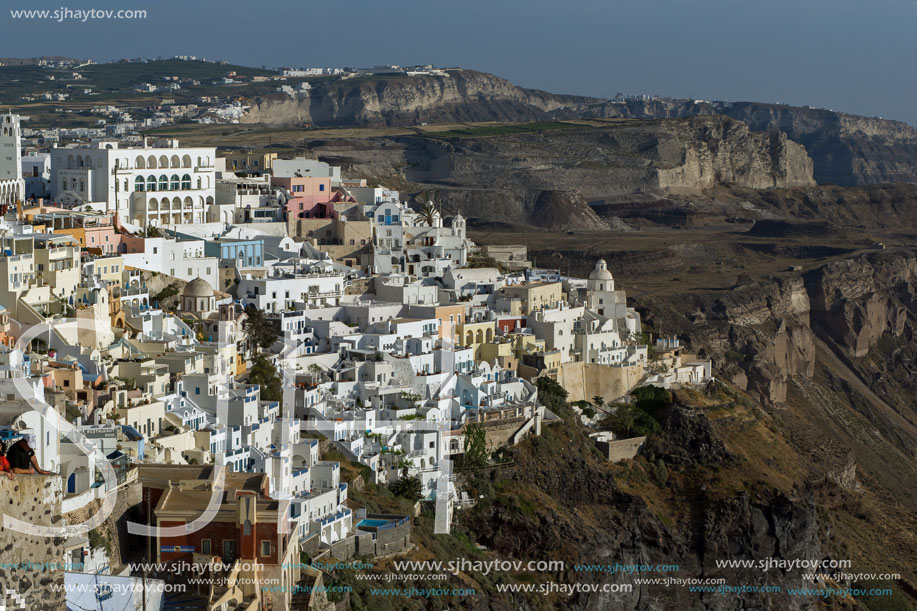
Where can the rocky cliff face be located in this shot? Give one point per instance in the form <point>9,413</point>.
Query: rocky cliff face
<point>846,149</point>
<point>463,95</point>
<point>719,152</point>
<point>556,500</point>
<point>847,327</point>
<point>856,301</point>
<point>498,175</point>
<point>758,333</point>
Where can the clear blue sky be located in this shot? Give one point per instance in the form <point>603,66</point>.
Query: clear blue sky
<point>853,55</point>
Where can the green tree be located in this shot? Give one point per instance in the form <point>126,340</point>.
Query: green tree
<point>409,488</point>
<point>475,446</point>
<point>264,373</point>
<point>258,329</point>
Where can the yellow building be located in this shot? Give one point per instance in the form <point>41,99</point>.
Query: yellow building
<point>249,162</point>
<point>533,296</point>
<point>109,269</point>
<point>473,334</point>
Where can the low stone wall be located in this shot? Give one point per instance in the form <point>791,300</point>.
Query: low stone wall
<point>383,542</point>
<point>30,569</point>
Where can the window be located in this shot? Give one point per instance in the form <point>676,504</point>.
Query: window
<point>205,546</point>
<point>321,187</point>
<point>265,548</point>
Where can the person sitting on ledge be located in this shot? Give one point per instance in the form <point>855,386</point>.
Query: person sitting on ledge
<point>4,463</point>
<point>22,458</point>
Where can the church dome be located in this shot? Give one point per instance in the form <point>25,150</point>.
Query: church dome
<point>601,271</point>
<point>198,288</point>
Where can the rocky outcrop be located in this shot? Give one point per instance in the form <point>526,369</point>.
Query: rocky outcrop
<point>553,499</point>
<point>460,95</point>
<point>686,439</point>
<point>857,300</point>
<point>758,334</point>
<point>724,152</point>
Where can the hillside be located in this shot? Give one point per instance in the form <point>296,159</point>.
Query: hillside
<point>497,173</point>
<point>846,149</point>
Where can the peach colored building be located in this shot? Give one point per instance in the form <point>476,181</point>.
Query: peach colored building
<point>307,191</point>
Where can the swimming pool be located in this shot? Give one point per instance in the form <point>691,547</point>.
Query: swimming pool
<point>372,523</point>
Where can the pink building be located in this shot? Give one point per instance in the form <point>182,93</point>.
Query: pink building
<point>307,192</point>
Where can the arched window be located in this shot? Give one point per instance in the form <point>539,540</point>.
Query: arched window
<point>139,184</point>
<point>127,185</point>
<point>198,182</point>
<point>163,162</point>
<point>186,161</point>
<point>186,181</point>
<point>151,183</point>
<point>151,162</point>
<point>139,163</point>
<point>163,183</point>
<point>175,163</point>
<point>174,184</point>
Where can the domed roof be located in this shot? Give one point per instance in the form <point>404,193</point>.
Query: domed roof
<point>601,271</point>
<point>198,288</point>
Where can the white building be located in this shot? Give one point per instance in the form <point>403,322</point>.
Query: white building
<point>155,185</point>
<point>36,172</point>
<point>182,259</point>
<point>279,293</point>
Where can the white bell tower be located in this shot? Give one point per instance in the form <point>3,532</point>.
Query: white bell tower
<point>12,187</point>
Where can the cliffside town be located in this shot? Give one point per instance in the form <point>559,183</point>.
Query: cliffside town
<point>273,366</point>
<point>197,336</point>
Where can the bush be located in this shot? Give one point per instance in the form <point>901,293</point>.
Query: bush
<point>660,473</point>
<point>631,421</point>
